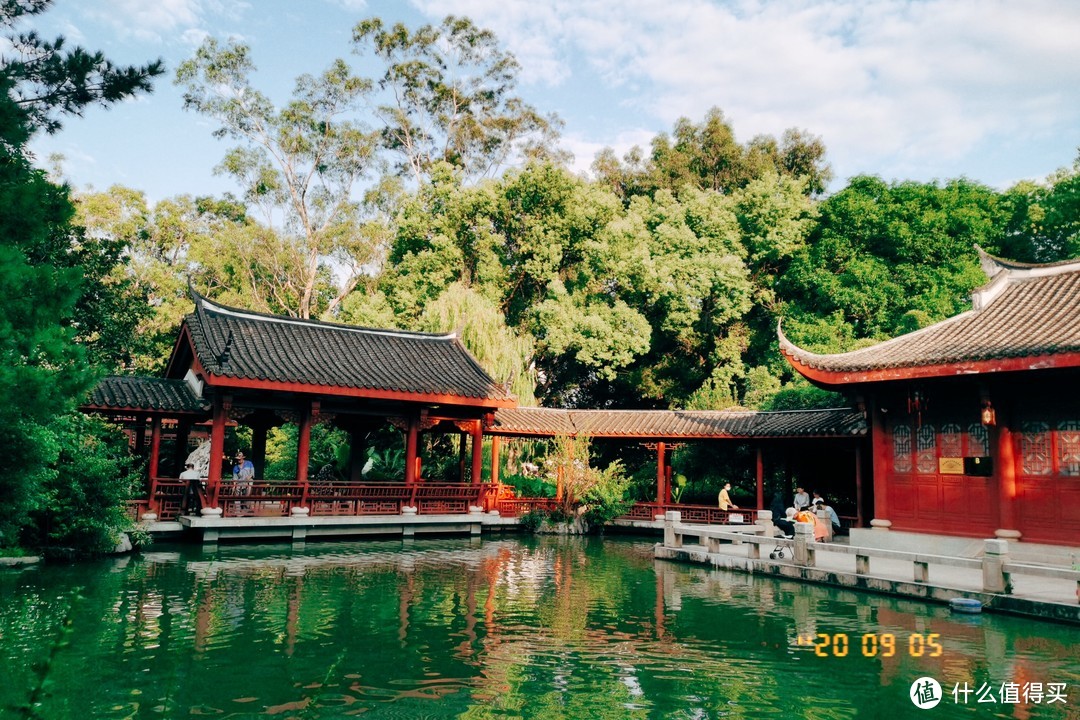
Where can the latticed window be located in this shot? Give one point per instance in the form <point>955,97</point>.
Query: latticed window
<point>951,440</point>
<point>901,443</point>
<point>926,450</point>
<point>1068,447</point>
<point>1035,458</point>
<point>978,440</point>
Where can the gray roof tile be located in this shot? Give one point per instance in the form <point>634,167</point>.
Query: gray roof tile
<point>233,343</point>
<point>143,393</point>
<point>675,424</point>
<point>1024,311</point>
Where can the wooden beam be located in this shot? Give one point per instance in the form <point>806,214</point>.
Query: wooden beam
<point>482,404</point>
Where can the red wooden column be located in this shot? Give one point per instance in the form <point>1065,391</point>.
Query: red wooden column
<point>759,475</point>
<point>410,451</point>
<point>217,448</point>
<point>496,442</point>
<point>155,459</point>
<point>303,448</point>
<point>1006,476</point>
<point>859,520</point>
<point>477,453</point>
<point>880,441</point>
<point>662,496</point>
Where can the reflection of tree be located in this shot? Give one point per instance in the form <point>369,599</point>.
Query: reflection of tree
<point>541,628</point>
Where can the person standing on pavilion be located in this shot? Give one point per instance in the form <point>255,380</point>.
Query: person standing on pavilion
<point>243,474</point>
<point>725,498</point>
<point>192,497</point>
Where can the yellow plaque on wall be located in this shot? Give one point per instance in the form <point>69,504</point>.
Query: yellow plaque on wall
<point>950,466</point>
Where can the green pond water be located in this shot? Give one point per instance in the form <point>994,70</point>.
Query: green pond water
<point>496,628</point>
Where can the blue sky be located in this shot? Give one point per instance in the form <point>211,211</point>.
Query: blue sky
<point>917,89</point>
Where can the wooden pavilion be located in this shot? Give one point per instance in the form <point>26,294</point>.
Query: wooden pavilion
<point>233,367</point>
<point>975,420</point>
<point>834,435</point>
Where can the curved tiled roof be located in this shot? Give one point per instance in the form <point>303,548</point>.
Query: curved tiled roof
<point>1024,312</point>
<point>146,394</point>
<point>675,424</point>
<point>237,344</point>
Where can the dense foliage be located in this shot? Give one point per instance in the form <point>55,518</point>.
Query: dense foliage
<point>64,478</point>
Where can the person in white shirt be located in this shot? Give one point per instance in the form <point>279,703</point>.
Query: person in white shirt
<point>802,500</point>
<point>191,494</point>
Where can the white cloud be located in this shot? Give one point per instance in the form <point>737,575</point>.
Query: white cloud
<point>921,82</point>
<point>351,5</point>
<point>585,150</point>
<point>150,20</point>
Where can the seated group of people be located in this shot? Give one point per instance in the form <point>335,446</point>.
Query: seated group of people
<point>807,510</point>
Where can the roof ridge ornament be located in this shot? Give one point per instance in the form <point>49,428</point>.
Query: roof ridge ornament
<point>223,356</point>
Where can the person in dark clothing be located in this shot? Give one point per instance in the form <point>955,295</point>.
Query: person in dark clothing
<point>777,506</point>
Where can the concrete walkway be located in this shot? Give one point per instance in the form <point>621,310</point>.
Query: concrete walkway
<point>1054,598</point>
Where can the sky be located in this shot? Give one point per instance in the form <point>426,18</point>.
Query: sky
<point>904,89</point>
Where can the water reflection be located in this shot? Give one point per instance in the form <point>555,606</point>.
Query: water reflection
<point>548,628</point>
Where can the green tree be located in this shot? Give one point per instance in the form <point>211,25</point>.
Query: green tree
<point>46,80</point>
<point>43,262</point>
<point>449,98</point>
<point>1045,222</point>
<point>298,166</point>
<point>164,247</point>
<point>707,156</point>
<point>87,475</point>
<point>890,258</point>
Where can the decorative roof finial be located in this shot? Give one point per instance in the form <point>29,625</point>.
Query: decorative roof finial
<point>223,356</point>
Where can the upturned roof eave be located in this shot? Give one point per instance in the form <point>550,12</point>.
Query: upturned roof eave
<point>836,378</point>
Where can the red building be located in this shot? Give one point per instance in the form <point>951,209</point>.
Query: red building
<point>975,421</point>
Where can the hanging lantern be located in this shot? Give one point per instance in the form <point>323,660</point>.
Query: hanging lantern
<point>988,416</point>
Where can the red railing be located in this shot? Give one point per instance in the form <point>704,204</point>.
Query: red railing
<point>277,499</point>
<point>516,507</point>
